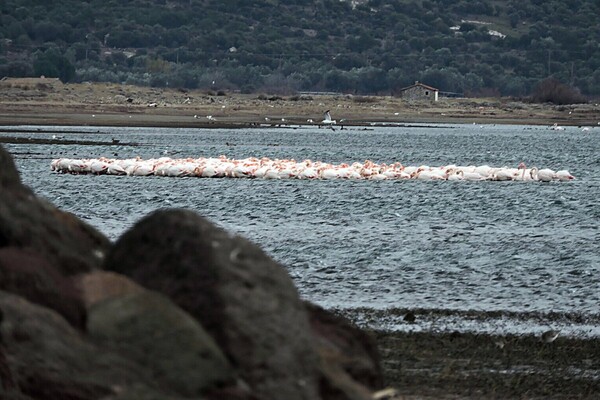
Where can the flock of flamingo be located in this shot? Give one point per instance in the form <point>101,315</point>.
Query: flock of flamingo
<point>266,168</point>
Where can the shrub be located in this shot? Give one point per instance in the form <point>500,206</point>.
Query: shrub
<point>552,91</point>
<point>364,99</point>
<point>248,88</point>
<point>298,97</point>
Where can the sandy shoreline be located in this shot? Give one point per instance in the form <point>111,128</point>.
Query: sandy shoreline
<point>120,105</point>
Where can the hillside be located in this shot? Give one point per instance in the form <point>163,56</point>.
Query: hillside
<point>285,46</point>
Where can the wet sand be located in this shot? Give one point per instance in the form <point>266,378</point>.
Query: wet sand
<point>452,359</point>
<point>481,366</point>
<point>426,364</point>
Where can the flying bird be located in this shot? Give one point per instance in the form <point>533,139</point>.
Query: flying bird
<point>327,120</point>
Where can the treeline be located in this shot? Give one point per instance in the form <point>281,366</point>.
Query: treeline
<point>285,46</point>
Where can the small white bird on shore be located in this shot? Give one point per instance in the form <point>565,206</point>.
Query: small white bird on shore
<point>549,336</point>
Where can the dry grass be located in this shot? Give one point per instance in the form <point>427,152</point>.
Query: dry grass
<point>74,104</point>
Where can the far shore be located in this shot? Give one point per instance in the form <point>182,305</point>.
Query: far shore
<point>101,104</point>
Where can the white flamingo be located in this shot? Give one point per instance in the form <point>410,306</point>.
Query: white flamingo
<point>504,174</point>
<point>456,176</point>
<point>115,169</point>
<point>472,176</point>
<point>266,168</point>
<point>564,175</point>
<point>545,175</point>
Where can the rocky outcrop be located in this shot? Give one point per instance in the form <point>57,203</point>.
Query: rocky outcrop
<point>33,277</point>
<point>41,245</point>
<point>346,347</point>
<point>151,330</point>
<point>28,222</point>
<point>242,297</point>
<point>179,309</point>
<point>48,359</point>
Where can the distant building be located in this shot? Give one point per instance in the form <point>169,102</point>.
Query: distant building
<point>419,91</point>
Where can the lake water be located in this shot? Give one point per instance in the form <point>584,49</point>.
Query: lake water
<point>528,248</point>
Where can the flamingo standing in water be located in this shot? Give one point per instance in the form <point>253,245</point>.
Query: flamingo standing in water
<point>528,174</point>
<point>564,175</point>
<point>472,176</point>
<point>504,174</point>
<point>456,176</point>
<point>545,175</point>
<point>265,168</point>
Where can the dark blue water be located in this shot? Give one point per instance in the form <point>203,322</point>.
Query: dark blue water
<point>513,246</point>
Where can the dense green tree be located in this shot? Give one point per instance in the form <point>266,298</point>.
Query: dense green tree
<point>51,63</point>
<point>16,68</point>
<point>309,45</point>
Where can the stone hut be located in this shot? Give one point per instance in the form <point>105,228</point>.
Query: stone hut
<point>419,91</point>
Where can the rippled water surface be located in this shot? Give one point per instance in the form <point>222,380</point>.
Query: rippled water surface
<point>516,246</point>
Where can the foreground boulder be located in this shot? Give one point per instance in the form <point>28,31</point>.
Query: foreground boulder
<point>200,314</point>
<point>41,245</point>
<point>244,299</point>
<point>31,275</point>
<point>348,352</point>
<point>149,329</point>
<point>28,222</point>
<point>43,357</point>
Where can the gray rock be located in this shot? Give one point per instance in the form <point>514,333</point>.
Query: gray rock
<point>48,359</point>
<point>347,347</point>
<point>9,175</point>
<point>150,329</point>
<point>30,275</point>
<point>350,365</point>
<point>27,222</point>
<point>243,298</point>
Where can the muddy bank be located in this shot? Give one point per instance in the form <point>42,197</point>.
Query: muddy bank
<point>501,322</point>
<point>62,141</point>
<point>467,365</point>
<point>448,354</point>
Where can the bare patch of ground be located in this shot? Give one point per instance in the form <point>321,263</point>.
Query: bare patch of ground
<point>468,365</point>
<point>460,361</point>
<point>100,104</point>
